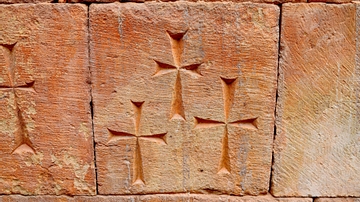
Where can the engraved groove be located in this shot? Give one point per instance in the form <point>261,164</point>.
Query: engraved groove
<point>10,47</point>
<point>224,166</point>
<point>158,138</point>
<point>229,86</point>
<point>115,135</point>
<point>138,167</point>
<point>177,107</point>
<point>206,123</point>
<point>137,110</point>
<point>194,68</point>
<point>11,62</point>
<point>163,68</point>
<point>28,86</point>
<point>176,36</point>
<point>177,45</point>
<point>25,144</point>
<point>247,123</point>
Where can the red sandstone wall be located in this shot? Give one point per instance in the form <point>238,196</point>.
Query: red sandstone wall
<point>179,101</point>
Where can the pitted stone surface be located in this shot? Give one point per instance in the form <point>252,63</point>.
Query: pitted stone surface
<point>184,96</point>
<point>337,200</point>
<point>317,145</point>
<point>45,119</point>
<point>331,1</point>
<point>24,1</point>
<point>152,198</point>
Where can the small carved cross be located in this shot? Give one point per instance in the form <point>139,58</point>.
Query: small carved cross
<point>229,86</point>
<point>177,47</point>
<point>24,145</point>
<point>138,175</point>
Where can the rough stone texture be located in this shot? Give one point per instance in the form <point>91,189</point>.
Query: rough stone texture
<point>216,198</point>
<point>337,200</point>
<point>45,120</point>
<point>235,1</point>
<point>142,1</point>
<point>317,145</point>
<point>151,198</point>
<point>196,83</point>
<point>24,1</point>
<point>331,1</point>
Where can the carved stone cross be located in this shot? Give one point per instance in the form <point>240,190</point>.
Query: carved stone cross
<point>177,47</point>
<point>138,176</point>
<point>229,86</point>
<point>21,134</point>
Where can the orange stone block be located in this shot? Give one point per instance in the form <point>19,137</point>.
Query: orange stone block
<point>45,118</point>
<point>317,145</point>
<point>184,96</point>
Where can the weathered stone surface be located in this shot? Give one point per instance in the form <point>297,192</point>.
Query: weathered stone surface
<point>142,1</point>
<point>24,1</point>
<point>184,96</point>
<point>317,145</point>
<point>216,198</point>
<point>337,200</point>
<point>234,1</point>
<point>151,198</point>
<point>331,1</point>
<point>45,120</point>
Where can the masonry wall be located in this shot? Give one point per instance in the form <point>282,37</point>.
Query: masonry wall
<point>179,101</point>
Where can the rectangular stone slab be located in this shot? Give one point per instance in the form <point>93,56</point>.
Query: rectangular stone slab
<point>184,96</point>
<point>46,144</point>
<point>317,145</point>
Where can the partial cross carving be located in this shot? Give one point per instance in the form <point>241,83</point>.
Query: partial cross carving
<point>21,134</point>
<point>138,175</point>
<point>229,86</point>
<point>177,47</point>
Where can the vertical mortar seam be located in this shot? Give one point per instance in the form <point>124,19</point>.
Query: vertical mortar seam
<point>276,99</point>
<point>91,97</point>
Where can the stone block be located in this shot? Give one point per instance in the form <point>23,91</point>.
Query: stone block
<point>46,144</point>
<point>317,143</point>
<point>184,96</point>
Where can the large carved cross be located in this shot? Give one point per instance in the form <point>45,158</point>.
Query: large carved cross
<point>21,134</point>
<point>229,86</point>
<point>138,175</point>
<point>177,47</point>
